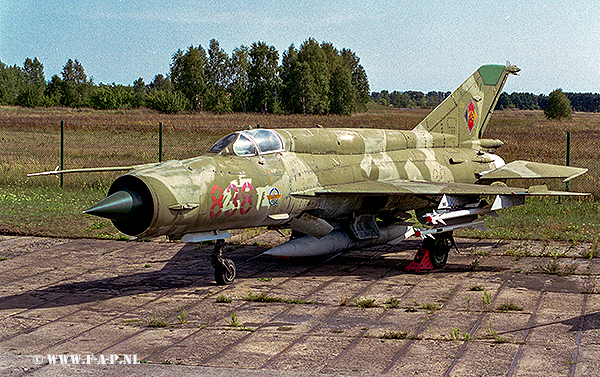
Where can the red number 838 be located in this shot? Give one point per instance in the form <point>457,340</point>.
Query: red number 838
<point>241,199</point>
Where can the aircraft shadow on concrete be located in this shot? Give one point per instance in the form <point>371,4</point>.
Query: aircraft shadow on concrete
<point>190,267</point>
<point>587,322</point>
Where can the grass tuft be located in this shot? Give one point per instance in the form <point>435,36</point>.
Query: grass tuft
<point>157,322</point>
<point>366,303</point>
<point>264,297</point>
<point>394,335</point>
<point>509,306</point>
<point>224,299</point>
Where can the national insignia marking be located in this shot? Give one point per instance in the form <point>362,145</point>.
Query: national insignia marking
<point>274,196</point>
<point>470,116</point>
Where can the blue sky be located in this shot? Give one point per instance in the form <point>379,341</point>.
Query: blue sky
<point>403,45</point>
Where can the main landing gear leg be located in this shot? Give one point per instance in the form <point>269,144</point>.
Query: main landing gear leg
<point>439,246</point>
<point>224,268</point>
<point>433,254</point>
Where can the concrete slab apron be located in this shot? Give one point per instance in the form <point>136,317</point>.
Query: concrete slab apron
<point>498,308</point>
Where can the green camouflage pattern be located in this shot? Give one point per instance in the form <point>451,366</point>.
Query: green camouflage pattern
<point>273,177</point>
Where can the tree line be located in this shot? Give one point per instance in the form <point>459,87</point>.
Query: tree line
<point>313,79</point>
<point>588,102</point>
<point>409,98</point>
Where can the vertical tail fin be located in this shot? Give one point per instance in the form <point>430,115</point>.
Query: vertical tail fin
<point>467,111</point>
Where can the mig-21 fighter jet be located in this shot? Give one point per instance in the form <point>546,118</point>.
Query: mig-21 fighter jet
<point>336,188</point>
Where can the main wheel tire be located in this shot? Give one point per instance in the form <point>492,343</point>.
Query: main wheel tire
<point>225,273</point>
<point>439,248</point>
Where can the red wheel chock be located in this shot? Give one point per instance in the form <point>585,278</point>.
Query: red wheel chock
<point>420,262</point>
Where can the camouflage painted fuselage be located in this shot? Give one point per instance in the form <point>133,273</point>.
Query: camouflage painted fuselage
<point>224,191</point>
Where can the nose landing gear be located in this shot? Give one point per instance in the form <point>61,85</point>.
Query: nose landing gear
<point>224,268</point>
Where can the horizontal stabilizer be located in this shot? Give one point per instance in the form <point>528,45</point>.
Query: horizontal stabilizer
<point>530,170</point>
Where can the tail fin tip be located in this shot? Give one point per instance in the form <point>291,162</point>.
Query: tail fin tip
<point>491,74</point>
<point>466,112</point>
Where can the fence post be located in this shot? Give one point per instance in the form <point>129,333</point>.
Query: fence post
<point>160,142</point>
<point>568,154</point>
<point>62,150</point>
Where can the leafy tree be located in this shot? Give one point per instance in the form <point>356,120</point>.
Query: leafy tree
<point>289,62</point>
<point>29,96</point>
<point>112,97</point>
<point>382,98</point>
<point>218,78</point>
<point>11,82</point>
<point>341,91</point>
<point>53,91</point>
<point>504,102</point>
<point>400,100</point>
<point>161,82</point>
<point>139,93</point>
<point>432,99</point>
<point>524,101</point>
<point>75,87</point>
<point>263,78</point>
<point>559,106</point>
<point>585,101</point>
<point>317,70</point>
<point>34,84</point>
<point>104,98</point>
<point>298,87</point>
<point>238,78</point>
<point>317,79</point>
<point>359,79</point>
<point>189,73</point>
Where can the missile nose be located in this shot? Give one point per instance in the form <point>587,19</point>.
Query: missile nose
<point>122,205</point>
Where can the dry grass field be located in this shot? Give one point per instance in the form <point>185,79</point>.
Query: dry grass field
<point>31,137</point>
<point>31,143</point>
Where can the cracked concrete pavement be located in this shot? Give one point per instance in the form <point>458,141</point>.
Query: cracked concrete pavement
<point>119,308</point>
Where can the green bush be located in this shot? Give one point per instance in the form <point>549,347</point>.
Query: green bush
<point>167,101</point>
<point>559,106</point>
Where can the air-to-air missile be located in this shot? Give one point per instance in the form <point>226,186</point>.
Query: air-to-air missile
<point>336,188</point>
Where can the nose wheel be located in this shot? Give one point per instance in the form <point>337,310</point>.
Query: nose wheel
<point>224,268</point>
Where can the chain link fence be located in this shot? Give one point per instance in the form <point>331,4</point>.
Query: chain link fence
<point>38,149</point>
<point>33,144</point>
<point>551,147</point>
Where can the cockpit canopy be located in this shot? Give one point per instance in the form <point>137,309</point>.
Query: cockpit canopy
<point>249,143</point>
